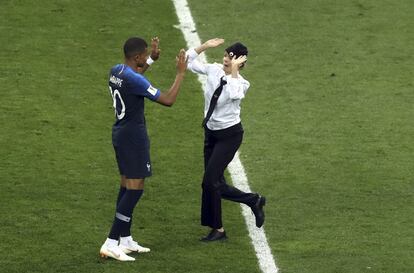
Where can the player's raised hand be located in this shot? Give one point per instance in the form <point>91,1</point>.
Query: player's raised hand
<point>181,62</point>
<point>215,42</point>
<point>155,50</point>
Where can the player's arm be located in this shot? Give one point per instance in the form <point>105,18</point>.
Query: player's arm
<point>155,54</point>
<point>168,98</point>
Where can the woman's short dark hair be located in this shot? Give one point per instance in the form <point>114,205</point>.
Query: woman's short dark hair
<point>236,50</point>
<point>134,46</point>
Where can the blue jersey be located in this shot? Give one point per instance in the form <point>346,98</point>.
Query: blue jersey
<point>128,90</point>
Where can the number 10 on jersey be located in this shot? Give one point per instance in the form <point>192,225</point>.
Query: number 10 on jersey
<point>119,107</point>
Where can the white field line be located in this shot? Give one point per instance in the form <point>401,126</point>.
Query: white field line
<point>258,236</point>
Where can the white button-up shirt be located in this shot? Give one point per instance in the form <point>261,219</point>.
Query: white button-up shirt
<point>227,110</point>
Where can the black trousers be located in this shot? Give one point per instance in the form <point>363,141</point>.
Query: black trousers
<point>219,149</point>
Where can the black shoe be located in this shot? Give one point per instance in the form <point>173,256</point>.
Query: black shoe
<point>214,235</point>
<point>258,212</point>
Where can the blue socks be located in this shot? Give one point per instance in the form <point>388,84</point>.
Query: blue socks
<point>123,216</point>
<point>127,231</point>
<point>121,192</point>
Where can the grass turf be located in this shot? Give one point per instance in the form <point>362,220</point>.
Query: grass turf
<point>329,128</point>
<point>328,137</point>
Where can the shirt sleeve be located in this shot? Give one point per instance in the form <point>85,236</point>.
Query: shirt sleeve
<point>237,88</point>
<point>140,86</point>
<point>195,65</point>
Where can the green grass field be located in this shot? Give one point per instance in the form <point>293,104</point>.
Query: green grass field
<point>328,121</point>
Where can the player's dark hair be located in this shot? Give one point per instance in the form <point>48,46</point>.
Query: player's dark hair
<point>134,46</point>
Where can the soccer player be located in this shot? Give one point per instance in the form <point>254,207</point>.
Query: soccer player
<point>129,88</point>
<point>223,133</point>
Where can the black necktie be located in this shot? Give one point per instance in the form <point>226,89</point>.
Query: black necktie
<point>214,100</point>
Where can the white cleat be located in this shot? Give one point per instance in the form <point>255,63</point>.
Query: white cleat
<point>115,252</point>
<point>132,246</point>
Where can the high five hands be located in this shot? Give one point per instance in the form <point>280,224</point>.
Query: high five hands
<point>215,42</point>
<point>181,62</point>
<point>155,50</point>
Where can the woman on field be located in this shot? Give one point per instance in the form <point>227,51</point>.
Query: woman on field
<point>223,93</point>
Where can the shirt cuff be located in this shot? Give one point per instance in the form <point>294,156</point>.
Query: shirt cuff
<point>192,54</point>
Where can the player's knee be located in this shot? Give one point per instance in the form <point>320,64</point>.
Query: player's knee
<point>135,184</point>
<point>123,181</point>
